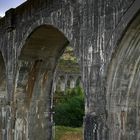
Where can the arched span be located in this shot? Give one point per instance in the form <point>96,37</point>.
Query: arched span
<point>36,65</point>
<point>43,21</point>
<point>121,28</point>
<point>46,41</point>
<point>43,34</point>
<point>123,82</point>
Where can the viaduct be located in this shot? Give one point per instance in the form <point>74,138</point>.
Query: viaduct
<point>105,35</point>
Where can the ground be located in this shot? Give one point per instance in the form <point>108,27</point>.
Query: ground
<point>68,133</point>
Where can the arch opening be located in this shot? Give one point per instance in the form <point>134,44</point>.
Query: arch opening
<point>68,99</point>
<point>123,92</point>
<point>36,66</point>
<point>44,42</point>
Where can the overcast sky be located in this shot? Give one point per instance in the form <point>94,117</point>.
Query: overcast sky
<point>7,4</point>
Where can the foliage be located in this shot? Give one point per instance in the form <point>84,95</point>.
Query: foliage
<point>70,111</point>
<point>68,61</point>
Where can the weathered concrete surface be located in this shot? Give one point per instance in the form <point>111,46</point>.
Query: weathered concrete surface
<point>123,87</point>
<point>32,38</point>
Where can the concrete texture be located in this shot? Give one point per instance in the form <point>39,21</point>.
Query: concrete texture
<point>105,38</point>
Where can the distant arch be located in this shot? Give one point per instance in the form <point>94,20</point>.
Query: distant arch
<point>79,81</point>
<point>121,28</point>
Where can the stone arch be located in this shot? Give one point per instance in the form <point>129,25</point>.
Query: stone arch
<point>60,85</point>
<point>43,53</point>
<point>43,21</point>
<point>36,65</point>
<point>79,81</point>
<point>72,81</point>
<point>68,82</point>
<point>123,92</point>
<point>119,31</point>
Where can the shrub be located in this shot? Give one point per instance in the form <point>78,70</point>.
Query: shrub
<point>70,112</point>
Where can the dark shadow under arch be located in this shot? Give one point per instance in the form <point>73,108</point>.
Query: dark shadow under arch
<point>43,42</point>
<point>120,30</point>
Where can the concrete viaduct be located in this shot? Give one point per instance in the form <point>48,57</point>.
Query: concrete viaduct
<point>105,35</point>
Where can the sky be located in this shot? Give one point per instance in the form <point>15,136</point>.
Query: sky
<point>7,4</point>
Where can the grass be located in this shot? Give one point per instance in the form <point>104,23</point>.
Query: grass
<point>68,133</point>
